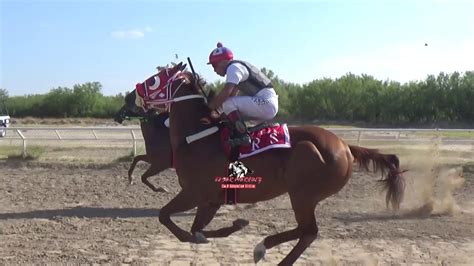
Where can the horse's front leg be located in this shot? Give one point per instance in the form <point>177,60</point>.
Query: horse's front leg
<point>205,213</point>
<point>182,202</point>
<point>137,158</point>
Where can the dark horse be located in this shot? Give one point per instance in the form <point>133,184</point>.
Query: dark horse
<point>157,144</point>
<point>317,166</point>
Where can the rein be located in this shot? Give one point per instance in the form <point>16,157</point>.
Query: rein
<point>189,97</point>
<point>186,97</point>
<point>180,77</point>
<point>201,134</point>
<point>196,81</point>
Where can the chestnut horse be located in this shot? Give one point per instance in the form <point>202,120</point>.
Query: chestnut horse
<point>317,165</point>
<point>157,144</point>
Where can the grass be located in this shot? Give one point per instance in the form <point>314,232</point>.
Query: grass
<point>105,152</point>
<point>81,121</point>
<point>129,157</point>
<point>14,152</point>
<point>444,134</point>
<point>457,134</point>
<point>126,158</point>
<point>47,153</point>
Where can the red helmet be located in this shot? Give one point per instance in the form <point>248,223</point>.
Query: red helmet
<point>219,54</point>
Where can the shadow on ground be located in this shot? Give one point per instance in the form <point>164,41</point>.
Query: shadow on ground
<point>88,212</point>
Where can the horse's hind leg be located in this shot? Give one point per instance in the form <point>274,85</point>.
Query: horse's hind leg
<point>304,197</point>
<point>204,215</point>
<point>182,202</point>
<point>306,231</point>
<point>153,170</point>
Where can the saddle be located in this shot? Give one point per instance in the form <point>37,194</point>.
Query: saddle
<point>264,136</point>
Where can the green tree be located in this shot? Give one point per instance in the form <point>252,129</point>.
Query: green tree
<point>57,102</point>
<point>85,98</point>
<point>3,100</point>
<point>465,97</point>
<point>3,94</point>
<point>28,105</point>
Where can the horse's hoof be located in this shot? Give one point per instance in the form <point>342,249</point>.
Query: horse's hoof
<point>259,252</point>
<point>240,223</point>
<point>199,238</point>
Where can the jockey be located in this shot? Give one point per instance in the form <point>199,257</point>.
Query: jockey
<point>258,102</point>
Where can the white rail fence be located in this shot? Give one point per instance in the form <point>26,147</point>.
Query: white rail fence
<point>133,134</point>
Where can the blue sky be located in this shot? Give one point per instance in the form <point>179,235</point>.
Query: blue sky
<point>47,44</point>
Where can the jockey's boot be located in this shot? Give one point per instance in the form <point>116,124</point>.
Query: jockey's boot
<point>240,135</point>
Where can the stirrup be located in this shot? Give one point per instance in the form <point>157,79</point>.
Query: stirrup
<point>243,140</point>
<point>240,127</point>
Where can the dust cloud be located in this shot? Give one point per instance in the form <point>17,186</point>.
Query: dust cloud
<point>433,184</point>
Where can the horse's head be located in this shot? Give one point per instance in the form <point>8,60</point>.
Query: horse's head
<point>121,115</point>
<point>155,92</point>
<point>134,108</point>
<point>129,109</point>
<point>168,86</point>
<point>126,113</point>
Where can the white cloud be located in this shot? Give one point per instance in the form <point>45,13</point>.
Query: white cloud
<point>404,61</point>
<point>131,34</point>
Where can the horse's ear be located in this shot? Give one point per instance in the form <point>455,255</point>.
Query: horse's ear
<point>179,67</point>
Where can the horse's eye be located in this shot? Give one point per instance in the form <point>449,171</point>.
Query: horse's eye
<point>153,83</point>
<point>150,82</point>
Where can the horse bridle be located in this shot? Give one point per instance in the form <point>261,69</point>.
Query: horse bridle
<point>173,99</point>
<point>178,76</point>
<point>203,133</point>
<point>186,97</point>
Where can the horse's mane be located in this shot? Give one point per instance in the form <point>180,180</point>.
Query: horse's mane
<point>197,82</point>
<point>198,85</point>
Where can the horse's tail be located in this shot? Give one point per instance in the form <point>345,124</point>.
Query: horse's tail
<point>394,182</point>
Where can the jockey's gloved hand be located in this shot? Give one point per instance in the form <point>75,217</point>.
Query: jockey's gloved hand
<point>211,118</point>
<point>215,114</point>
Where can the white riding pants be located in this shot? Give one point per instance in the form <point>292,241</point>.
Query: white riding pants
<point>262,106</point>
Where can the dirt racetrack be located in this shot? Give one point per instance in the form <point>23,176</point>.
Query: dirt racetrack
<point>86,213</point>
